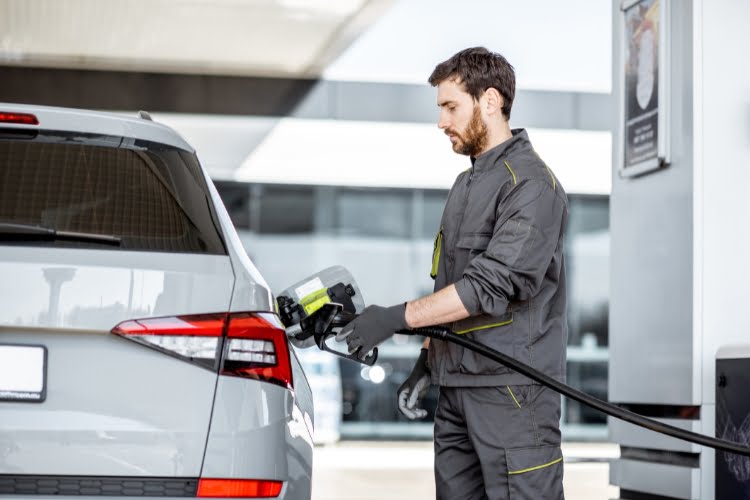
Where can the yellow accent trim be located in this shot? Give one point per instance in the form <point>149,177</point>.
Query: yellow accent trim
<point>515,180</point>
<point>513,395</point>
<point>483,327</point>
<point>436,254</point>
<point>315,300</point>
<point>536,468</point>
<point>554,183</point>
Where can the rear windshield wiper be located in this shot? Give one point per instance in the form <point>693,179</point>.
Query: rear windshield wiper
<point>10,231</point>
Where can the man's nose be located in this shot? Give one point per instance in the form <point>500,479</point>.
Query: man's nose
<point>443,123</point>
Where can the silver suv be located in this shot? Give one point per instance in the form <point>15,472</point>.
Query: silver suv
<point>140,355</point>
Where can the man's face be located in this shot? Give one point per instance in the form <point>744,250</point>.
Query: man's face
<point>461,119</point>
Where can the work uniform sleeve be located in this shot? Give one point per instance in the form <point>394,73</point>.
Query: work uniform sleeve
<point>523,243</point>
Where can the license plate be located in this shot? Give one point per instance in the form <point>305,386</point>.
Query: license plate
<point>23,373</point>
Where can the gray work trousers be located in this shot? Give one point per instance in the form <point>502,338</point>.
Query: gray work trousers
<point>498,443</point>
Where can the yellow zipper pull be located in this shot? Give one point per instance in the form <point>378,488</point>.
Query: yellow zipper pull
<point>436,253</point>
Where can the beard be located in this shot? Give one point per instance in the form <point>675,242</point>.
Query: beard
<point>473,140</point>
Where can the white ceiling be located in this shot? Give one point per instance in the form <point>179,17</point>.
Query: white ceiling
<point>553,45</point>
<point>296,38</point>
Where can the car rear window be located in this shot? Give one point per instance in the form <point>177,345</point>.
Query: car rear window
<point>148,196</point>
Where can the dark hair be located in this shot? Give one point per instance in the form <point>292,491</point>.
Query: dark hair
<point>478,69</point>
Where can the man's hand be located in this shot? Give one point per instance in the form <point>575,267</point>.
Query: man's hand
<point>414,389</point>
<point>372,327</point>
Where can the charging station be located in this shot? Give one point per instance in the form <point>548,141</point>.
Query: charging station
<point>679,277</point>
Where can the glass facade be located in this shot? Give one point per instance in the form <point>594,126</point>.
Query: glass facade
<point>385,238</point>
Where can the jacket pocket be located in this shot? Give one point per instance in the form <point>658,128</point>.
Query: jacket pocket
<point>535,473</point>
<point>475,243</point>
<point>436,253</point>
<point>493,331</point>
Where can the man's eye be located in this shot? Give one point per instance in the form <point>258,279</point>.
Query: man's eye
<point>451,108</point>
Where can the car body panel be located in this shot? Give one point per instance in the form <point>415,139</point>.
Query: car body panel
<point>97,289</point>
<point>303,396</point>
<point>113,408</point>
<point>324,375</point>
<point>251,292</point>
<point>245,436</point>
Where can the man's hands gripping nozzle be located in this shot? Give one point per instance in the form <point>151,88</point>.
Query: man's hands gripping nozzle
<point>375,325</point>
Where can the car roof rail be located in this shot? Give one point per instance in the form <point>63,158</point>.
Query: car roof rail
<point>144,115</point>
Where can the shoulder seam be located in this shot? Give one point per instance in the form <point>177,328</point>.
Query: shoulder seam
<point>531,160</point>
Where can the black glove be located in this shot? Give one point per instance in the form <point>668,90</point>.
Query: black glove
<point>414,389</point>
<point>372,327</point>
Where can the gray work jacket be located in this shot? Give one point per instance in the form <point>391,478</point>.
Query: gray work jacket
<point>501,244</point>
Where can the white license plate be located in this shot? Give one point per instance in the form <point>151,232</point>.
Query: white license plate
<point>22,373</point>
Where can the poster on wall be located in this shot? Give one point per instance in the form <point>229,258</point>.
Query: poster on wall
<point>645,110</point>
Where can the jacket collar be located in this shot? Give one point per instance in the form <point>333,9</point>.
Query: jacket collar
<point>489,157</point>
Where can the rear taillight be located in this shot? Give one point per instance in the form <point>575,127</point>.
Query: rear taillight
<point>194,338</point>
<point>256,347</point>
<point>250,345</point>
<point>238,488</point>
<point>20,118</point>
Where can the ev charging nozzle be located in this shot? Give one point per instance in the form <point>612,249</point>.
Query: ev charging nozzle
<point>316,308</point>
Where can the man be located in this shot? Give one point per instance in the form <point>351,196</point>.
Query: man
<point>499,279</point>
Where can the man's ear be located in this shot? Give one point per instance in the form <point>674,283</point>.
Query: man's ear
<point>493,101</point>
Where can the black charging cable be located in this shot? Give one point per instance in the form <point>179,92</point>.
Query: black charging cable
<point>581,397</point>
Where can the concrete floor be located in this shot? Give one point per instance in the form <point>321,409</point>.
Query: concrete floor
<point>403,470</point>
